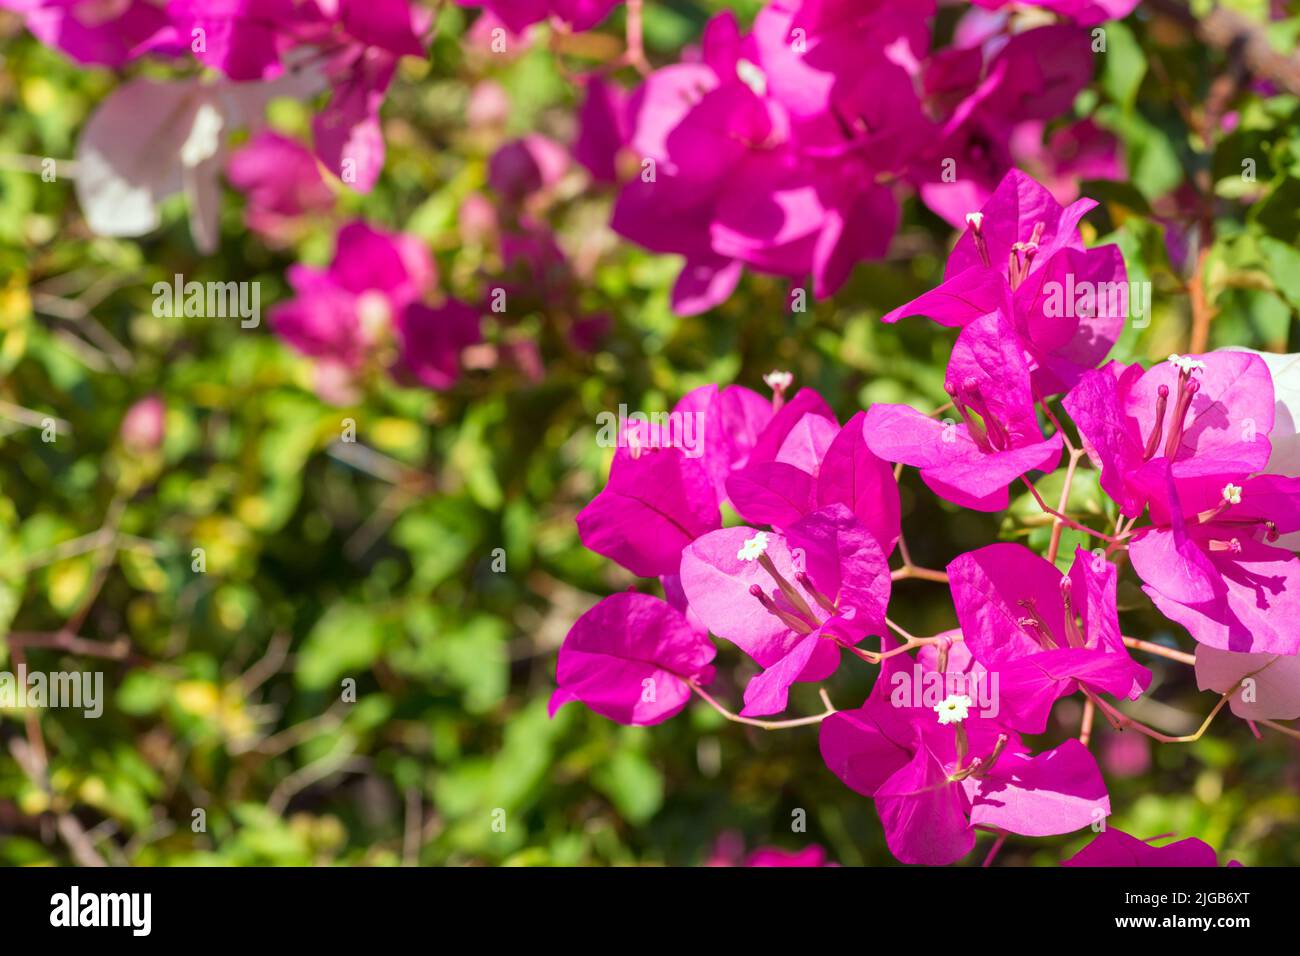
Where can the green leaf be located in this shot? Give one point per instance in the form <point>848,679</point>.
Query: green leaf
<point>345,642</point>
<point>1125,64</point>
<point>634,785</point>
<point>1283,264</point>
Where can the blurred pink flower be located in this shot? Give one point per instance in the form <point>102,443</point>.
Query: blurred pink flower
<point>489,105</point>
<point>144,426</point>
<point>1125,755</point>
<point>281,181</point>
<point>368,304</point>
<point>103,32</point>
<point>1079,151</point>
<point>526,166</point>
<point>1114,847</point>
<point>518,15</point>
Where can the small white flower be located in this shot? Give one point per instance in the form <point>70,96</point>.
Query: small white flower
<point>975,220</point>
<point>753,547</point>
<point>752,76</point>
<point>1185,363</point>
<point>953,709</point>
<point>778,381</point>
<point>1232,493</point>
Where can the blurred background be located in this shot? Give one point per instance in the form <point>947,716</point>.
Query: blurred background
<point>435,561</point>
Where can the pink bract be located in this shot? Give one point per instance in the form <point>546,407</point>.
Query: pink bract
<point>629,658</point>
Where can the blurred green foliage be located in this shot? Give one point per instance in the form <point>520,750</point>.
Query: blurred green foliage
<point>374,563</point>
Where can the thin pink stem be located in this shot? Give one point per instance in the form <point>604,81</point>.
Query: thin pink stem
<point>764,724</point>
<point>1160,651</point>
<point>1122,721</point>
<point>1069,445</point>
<point>1057,514</point>
<point>993,851</point>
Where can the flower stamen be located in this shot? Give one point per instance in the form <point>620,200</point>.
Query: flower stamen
<point>1232,546</point>
<point>796,600</point>
<point>1074,635</point>
<point>1153,440</point>
<point>806,583</point>
<point>1033,622</point>
<point>1187,389</point>
<point>791,621</point>
<point>975,220</point>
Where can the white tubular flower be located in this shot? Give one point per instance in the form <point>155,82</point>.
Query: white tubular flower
<point>953,709</point>
<point>778,381</point>
<point>753,547</point>
<point>1185,363</point>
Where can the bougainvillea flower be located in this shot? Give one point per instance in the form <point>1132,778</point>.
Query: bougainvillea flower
<point>629,659</point>
<point>1284,436</point>
<point>802,461</point>
<point>777,484</point>
<point>341,312</point>
<point>1202,415</point>
<point>1048,634</point>
<point>92,31</point>
<point>1021,254</point>
<point>731,419</point>
<point>431,339</point>
<point>527,165</point>
<point>738,166</point>
<point>281,181</point>
<point>999,439</point>
<point>1209,561</point>
<point>1184,438</point>
<point>365,43</point>
<point>774,856</point>
<point>789,599</point>
<point>353,44</point>
<point>1083,12</point>
<point>1015,233</point>
<point>518,15</point>
<point>656,502</point>
<point>669,475</point>
<point>983,94</point>
<point>347,133</point>
<point>1067,155</point>
<point>1272,691</point>
<point>729,850</point>
<point>366,309</point>
<point>864,747</point>
<point>1114,847</point>
<point>244,39</point>
<point>602,128</point>
<point>250,39</point>
<point>937,773</point>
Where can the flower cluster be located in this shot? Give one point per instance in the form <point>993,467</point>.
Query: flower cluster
<point>1183,449</point>
<point>351,46</point>
<point>787,149</point>
<point>368,309</point>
